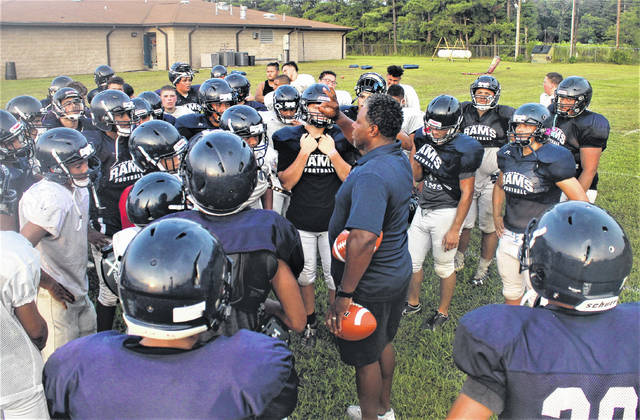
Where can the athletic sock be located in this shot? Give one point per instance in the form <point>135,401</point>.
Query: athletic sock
<point>483,265</point>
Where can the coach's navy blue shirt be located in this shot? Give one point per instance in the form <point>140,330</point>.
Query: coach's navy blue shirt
<point>375,198</point>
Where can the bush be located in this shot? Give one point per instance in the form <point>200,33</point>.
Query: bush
<point>573,60</point>
<point>621,57</point>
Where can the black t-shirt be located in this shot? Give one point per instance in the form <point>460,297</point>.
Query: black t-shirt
<point>117,173</point>
<point>588,129</point>
<point>313,196</point>
<point>444,166</point>
<point>529,182</point>
<point>490,129</point>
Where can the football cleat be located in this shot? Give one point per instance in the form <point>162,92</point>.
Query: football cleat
<point>437,320</point>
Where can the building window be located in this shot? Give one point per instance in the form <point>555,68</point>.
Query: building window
<point>266,36</point>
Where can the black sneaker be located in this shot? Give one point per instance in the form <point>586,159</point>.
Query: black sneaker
<point>479,278</point>
<point>309,335</point>
<point>410,309</point>
<point>437,320</point>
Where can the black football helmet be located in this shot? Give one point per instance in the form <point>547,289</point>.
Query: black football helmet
<point>286,98</point>
<point>155,102</point>
<point>530,114</point>
<point>142,110</point>
<point>246,122</point>
<point>219,173</point>
<point>370,82</point>
<point>218,72</point>
<point>314,94</point>
<point>67,103</point>
<point>28,110</point>
<point>215,91</point>
<point>58,83</point>
<point>8,196</point>
<point>443,113</point>
<point>578,255</point>
<point>240,84</point>
<point>101,76</point>
<point>178,71</point>
<point>485,82</point>
<point>153,196</point>
<point>60,147</point>
<point>154,146</point>
<point>174,281</point>
<point>106,105</point>
<point>573,87</point>
<point>15,140</point>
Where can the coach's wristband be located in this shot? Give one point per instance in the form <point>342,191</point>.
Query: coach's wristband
<point>342,293</point>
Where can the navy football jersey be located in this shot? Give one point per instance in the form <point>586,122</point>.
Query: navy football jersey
<point>20,175</point>
<point>190,100</point>
<point>191,124</point>
<point>243,235</point>
<point>313,196</point>
<point>258,106</point>
<point>490,129</point>
<point>51,120</point>
<point>529,182</point>
<point>444,166</point>
<point>111,376</point>
<point>588,129</point>
<point>544,363</point>
<point>118,171</point>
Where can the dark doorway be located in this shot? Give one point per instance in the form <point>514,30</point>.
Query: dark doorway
<point>150,57</point>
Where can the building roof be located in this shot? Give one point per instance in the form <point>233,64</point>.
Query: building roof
<point>148,13</point>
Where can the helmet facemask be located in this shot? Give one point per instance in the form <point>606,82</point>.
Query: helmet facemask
<point>566,110</point>
<point>18,144</point>
<point>279,107</point>
<point>71,108</point>
<point>430,125</point>
<point>489,101</point>
<point>314,117</point>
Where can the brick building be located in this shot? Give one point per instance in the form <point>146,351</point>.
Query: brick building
<point>50,37</point>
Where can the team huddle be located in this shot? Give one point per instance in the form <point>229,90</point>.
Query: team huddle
<point>207,212</point>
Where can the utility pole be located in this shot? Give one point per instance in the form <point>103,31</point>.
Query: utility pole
<point>618,26</point>
<point>517,5</point>
<point>395,41</point>
<point>573,26</point>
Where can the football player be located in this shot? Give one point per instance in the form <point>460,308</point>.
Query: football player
<point>218,72</point>
<point>101,76</point>
<point>155,101</point>
<point>181,76</point>
<point>28,110</point>
<point>300,81</point>
<point>57,83</point>
<point>533,173</point>
<point>394,76</point>
<point>175,283</point>
<point>67,110</point>
<point>16,151</point>
<point>313,160</point>
<point>583,132</point>
<point>215,96</point>
<point>246,122</point>
<point>412,118</point>
<point>24,331</point>
<point>268,85</point>
<point>242,86</point>
<point>220,174</point>
<point>54,217</point>
<point>445,162</point>
<point>367,85</point>
<point>487,122</point>
<point>575,354</point>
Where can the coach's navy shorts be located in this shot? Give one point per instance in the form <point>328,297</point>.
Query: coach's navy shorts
<point>388,315</point>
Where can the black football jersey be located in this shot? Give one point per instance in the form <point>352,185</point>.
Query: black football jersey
<point>490,129</point>
<point>351,111</point>
<point>191,100</point>
<point>544,363</point>
<point>529,182</point>
<point>191,124</point>
<point>588,129</point>
<point>444,166</point>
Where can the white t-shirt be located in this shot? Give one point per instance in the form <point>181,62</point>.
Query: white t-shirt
<point>64,214</point>
<point>545,99</point>
<point>344,97</point>
<point>413,119</point>
<point>180,111</point>
<point>411,99</point>
<point>121,240</point>
<point>20,360</point>
<point>302,82</point>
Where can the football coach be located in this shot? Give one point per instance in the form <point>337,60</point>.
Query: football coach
<point>373,199</point>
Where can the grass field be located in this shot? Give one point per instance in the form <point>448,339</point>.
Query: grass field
<point>426,380</point>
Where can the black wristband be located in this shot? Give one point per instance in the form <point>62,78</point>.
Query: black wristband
<point>342,293</point>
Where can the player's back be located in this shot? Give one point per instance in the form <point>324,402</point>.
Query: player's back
<point>549,362</point>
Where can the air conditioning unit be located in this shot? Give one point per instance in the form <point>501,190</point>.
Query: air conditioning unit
<point>269,16</point>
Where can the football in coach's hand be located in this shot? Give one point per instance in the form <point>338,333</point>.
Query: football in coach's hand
<point>339,248</point>
<point>358,323</point>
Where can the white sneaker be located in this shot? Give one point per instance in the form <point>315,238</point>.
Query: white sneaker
<point>355,413</point>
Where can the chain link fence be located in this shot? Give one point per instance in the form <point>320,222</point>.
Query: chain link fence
<point>583,53</point>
